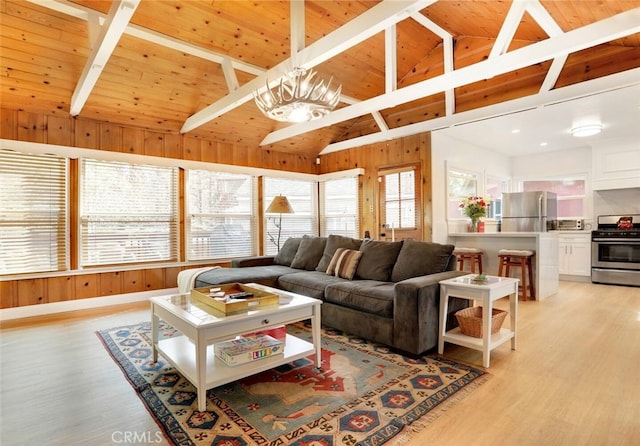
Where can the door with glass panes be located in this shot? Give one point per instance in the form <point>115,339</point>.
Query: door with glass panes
<point>399,203</point>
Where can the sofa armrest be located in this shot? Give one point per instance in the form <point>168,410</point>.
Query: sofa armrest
<point>252,261</point>
<point>415,311</point>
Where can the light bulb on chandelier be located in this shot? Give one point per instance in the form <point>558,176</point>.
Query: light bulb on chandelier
<point>300,97</point>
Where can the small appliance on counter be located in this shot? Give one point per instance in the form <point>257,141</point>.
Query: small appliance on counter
<point>529,211</point>
<point>615,250</point>
<point>570,225</point>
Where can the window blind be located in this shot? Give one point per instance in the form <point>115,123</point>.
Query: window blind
<point>221,209</point>
<point>33,213</point>
<point>339,206</point>
<point>303,197</point>
<point>128,213</point>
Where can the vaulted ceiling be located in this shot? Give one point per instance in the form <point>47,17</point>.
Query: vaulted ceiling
<point>405,66</point>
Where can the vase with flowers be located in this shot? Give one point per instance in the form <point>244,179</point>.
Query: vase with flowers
<point>475,208</point>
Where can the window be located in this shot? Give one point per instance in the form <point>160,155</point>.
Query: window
<point>33,213</point>
<point>399,199</point>
<point>220,215</point>
<point>494,189</point>
<point>302,196</point>
<point>460,184</point>
<point>128,213</point>
<point>570,192</point>
<point>339,206</point>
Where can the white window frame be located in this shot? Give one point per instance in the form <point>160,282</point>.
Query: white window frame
<point>34,216</point>
<point>350,183</point>
<point>132,246</point>
<point>230,251</point>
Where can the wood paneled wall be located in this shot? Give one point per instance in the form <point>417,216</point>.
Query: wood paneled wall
<point>86,133</point>
<point>408,150</point>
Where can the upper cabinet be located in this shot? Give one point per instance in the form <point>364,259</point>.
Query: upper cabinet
<point>616,166</point>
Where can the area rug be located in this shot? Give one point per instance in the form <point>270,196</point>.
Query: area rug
<point>364,394</point>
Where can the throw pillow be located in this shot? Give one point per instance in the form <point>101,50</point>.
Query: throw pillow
<point>378,258</point>
<point>344,263</point>
<point>334,242</point>
<point>288,251</point>
<point>420,259</point>
<point>309,252</point>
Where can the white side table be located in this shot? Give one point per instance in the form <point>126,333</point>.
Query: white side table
<point>485,293</point>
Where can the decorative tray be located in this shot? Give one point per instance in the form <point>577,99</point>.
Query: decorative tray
<point>233,298</point>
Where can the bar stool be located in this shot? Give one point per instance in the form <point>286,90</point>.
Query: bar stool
<point>473,255</point>
<point>522,259</point>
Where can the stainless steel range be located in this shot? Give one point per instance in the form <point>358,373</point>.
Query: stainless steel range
<point>615,250</point>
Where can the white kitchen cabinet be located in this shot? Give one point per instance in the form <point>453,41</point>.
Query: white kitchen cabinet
<point>575,254</point>
<point>616,165</point>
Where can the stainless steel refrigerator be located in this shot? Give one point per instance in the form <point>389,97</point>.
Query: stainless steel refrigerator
<point>529,211</point>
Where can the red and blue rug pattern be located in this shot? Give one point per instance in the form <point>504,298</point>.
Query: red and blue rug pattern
<point>364,394</point>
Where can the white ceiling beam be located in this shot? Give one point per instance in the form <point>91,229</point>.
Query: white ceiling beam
<point>81,12</point>
<point>297,24</point>
<point>382,124</point>
<point>230,75</point>
<point>508,29</point>
<point>612,28</point>
<point>447,41</point>
<point>569,93</point>
<point>551,27</point>
<point>390,59</point>
<point>359,29</point>
<point>119,15</point>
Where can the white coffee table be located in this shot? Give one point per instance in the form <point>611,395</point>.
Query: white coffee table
<point>485,293</point>
<point>193,353</point>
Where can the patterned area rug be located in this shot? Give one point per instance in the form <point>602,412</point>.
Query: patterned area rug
<point>364,394</point>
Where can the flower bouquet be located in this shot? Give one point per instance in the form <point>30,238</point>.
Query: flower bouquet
<point>474,208</point>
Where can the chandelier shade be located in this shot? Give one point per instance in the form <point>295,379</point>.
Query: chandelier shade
<point>300,97</point>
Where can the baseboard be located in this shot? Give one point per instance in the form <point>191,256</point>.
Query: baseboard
<point>571,278</point>
<point>8,314</point>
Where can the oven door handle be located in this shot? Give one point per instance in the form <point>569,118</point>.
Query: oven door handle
<point>629,241</point>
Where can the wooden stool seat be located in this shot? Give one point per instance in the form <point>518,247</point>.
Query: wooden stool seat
<point>519,258</point>
<point>473,255</point>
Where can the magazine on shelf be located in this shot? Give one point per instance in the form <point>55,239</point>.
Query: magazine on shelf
<point>246,349</point>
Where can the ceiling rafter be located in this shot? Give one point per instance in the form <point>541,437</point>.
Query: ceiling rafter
<point>362,27</point>
<point>568,93</point>
<point>611,28</point>
<point>101,49</point>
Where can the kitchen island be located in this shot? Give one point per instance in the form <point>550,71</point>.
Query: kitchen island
<point>544,244</point>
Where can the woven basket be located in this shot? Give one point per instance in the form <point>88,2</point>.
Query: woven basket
<point>470,321</point>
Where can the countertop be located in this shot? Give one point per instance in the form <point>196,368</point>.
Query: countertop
<point>501,234</point>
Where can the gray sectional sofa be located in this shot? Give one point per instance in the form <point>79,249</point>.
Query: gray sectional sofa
<point>392,298</point>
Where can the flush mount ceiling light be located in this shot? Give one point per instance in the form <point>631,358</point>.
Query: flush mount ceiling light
<point>300,97</point>
<point>586,130</point>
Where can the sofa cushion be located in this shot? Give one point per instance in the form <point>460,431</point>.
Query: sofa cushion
<point>418,258</point>
<point>288,251</point>
<point>378,258</point>
<point>334,242</point>
<point>344,263</point>
<point>369,296</point>
<point>309,252</point>
<point>307,283</point>
<point>262,274</point>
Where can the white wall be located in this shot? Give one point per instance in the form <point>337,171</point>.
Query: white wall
<point>447,151</point>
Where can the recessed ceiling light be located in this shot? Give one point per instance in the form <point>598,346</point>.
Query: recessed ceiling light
<point>544,144</point>
<point>515,131</point>
<point>586,130</point>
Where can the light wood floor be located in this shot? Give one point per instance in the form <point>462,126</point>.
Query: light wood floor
<point>574,379</point>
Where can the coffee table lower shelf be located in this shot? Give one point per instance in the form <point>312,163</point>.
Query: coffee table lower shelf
<point>180,352</point>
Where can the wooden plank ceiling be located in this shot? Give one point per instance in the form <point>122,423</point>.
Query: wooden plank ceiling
<point>45,46</point>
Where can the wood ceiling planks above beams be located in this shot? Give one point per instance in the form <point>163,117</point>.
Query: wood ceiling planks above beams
<point>369,23</point>
<point>606,30</point>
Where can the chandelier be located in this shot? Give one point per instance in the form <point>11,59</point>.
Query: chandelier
<point>300,97</point>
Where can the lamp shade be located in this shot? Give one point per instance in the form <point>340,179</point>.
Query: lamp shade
<point>279,205</point>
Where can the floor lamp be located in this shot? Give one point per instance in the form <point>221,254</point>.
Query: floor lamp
<point>280,205</point>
